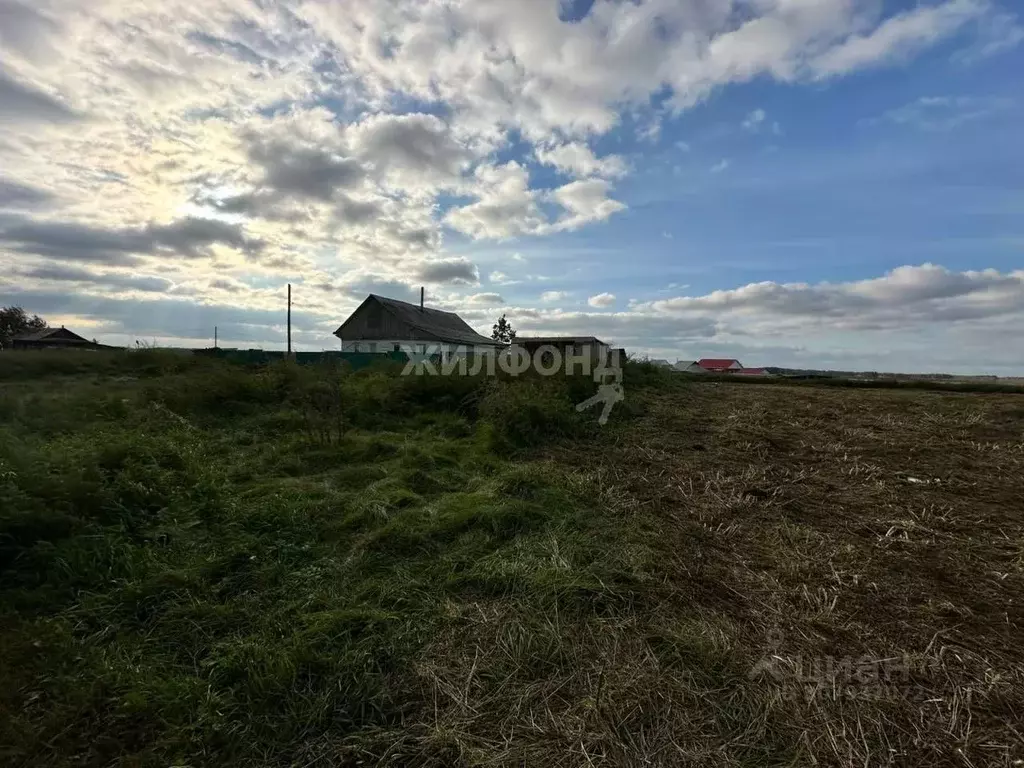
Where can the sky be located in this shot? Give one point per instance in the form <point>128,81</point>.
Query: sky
<point>800,183</point>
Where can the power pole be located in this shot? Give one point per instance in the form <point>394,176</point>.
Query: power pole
<point>215,337</point>
<point>289,319</point>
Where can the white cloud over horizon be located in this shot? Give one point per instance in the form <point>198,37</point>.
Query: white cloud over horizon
<point>772,323</point>
<point>160,158</point>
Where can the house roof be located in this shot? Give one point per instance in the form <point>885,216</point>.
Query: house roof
<point>558,340</point>
<point>35,335</point>
<point>715,362</point>
<point>46,333</point>
<point>434,324</point>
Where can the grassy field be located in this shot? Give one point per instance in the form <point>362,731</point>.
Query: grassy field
<point>206,565</point>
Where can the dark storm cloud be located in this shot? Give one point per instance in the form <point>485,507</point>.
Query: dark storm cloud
<point>417,142</point>
<point>188,237</point>
<point>351,211</point>
<point>296,174</point>
<point>308,172</point>
<point>232,48</point>
<point>21,103</point>
<point>73,274</point>
<point>25,30</point>
<point>13,194</point>
<point>449,271</point>
<point>164,316</point>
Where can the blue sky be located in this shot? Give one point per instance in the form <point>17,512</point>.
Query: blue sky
<point>812,183</point>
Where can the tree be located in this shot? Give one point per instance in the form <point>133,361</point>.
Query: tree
<point>503,331</point>
<point>15,321</point>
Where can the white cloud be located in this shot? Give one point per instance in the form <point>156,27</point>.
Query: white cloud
<point>898,36</point>
<point>234,143</point>
<point>905,297</point>
<point>500,278</point>
<point>505,206</point>
<point>601,300</point>
<point>913,318</point>
<point>997,33</point>
<point>549,296</point>
<point>584,202</point>
<point>752,122</point>
<point>721,165</point>
<point>578,159</point>
<point>942,113</point>
<point>484,299</point>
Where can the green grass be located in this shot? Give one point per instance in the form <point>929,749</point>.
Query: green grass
<point>203,564</point>
<point>194,568</point>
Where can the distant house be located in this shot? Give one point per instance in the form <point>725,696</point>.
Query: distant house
<point>718,365</point>
<point>660,362</point>
<point>579,346</point>
<point>687,366</point>
<point>52,338</point>
<point>381,325</point>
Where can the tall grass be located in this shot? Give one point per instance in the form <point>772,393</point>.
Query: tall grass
<point>220,565</point>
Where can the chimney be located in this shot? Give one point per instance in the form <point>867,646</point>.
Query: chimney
<point>421,297</point>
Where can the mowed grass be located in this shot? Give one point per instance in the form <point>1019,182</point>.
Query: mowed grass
<point>206,565</point>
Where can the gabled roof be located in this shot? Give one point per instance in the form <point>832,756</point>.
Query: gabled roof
<point>682,365</point>
<point>46,333</point>
<point>715,362</point>
<point>434,324</point>
<point>34,335</point>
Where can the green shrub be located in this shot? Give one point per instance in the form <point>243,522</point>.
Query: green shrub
<point>220,390</point>
<point>642,374</point>
<point>526,412</point>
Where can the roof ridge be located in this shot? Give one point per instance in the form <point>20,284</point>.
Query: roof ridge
<point>410,304</point>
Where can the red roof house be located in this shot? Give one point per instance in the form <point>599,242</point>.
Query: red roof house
<point>716,365</point>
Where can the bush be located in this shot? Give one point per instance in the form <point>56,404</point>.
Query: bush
<point>527,412</point>
<point>646,375</point>
<point>221,390</point>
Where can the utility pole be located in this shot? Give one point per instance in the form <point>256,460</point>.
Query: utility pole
<point>289,319</point>
<point>215,337</point>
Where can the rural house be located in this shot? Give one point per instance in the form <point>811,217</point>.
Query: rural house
<point>579,346</point>
<point>381,325</point>
<point>717,365</point>
<point>52,338</point>
<point>687,366</point>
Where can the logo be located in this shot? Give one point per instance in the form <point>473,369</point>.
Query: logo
<point>547,360</point>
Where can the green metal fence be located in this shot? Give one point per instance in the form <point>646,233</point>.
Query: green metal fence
<point>356,360</point>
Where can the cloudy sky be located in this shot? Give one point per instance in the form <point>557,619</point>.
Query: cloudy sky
<point>813,183</point>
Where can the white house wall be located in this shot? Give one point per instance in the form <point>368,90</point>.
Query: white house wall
<point>384,346</point>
